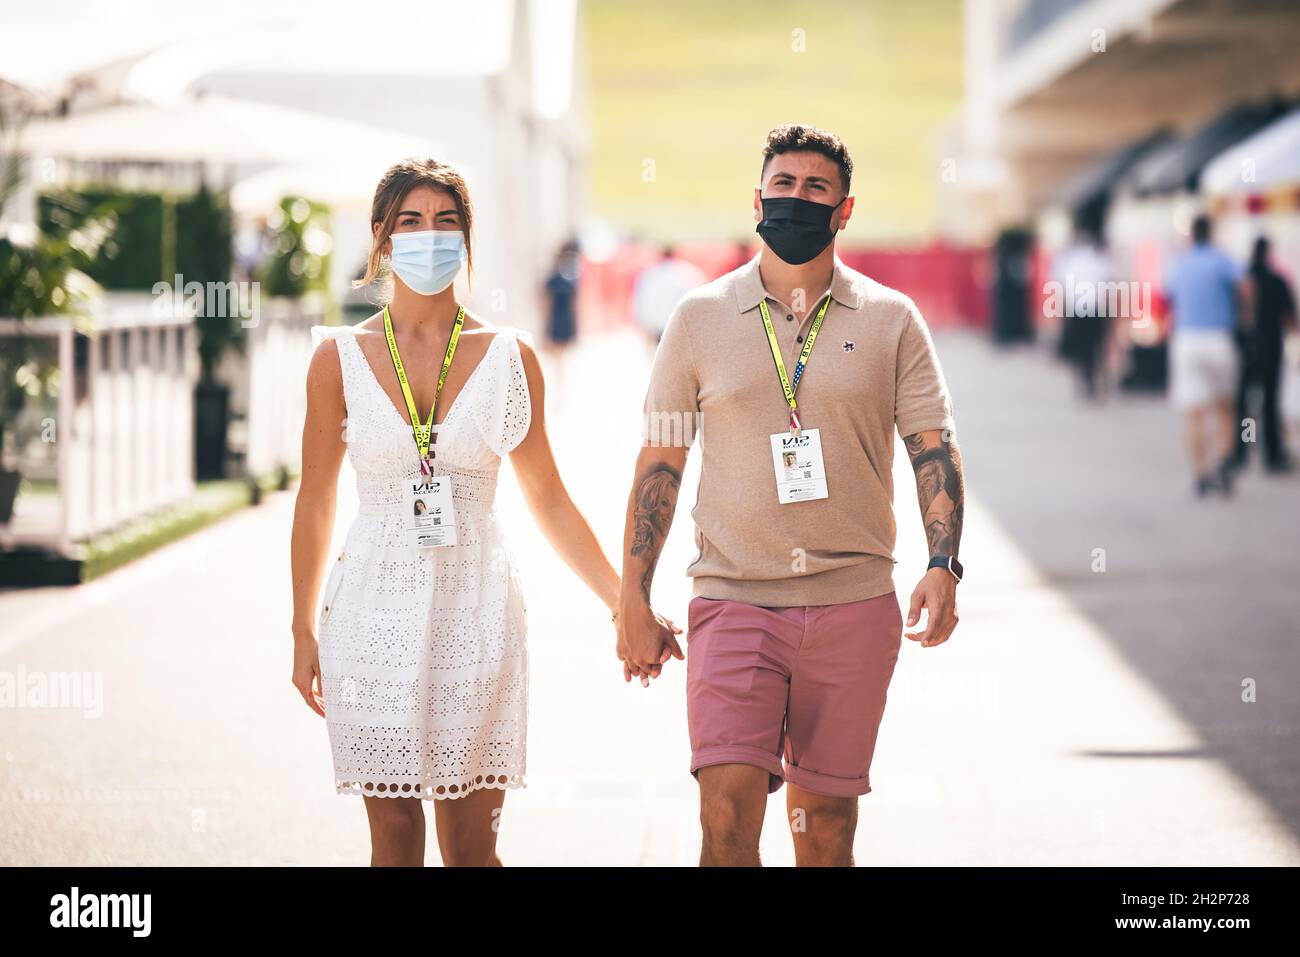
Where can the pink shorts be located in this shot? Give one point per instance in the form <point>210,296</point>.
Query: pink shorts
<point>804,683</point>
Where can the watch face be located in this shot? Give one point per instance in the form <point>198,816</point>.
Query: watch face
<point>948,563</point>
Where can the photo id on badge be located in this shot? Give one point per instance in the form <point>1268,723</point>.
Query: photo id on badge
<point>430,514</point>
<point>800,472</point>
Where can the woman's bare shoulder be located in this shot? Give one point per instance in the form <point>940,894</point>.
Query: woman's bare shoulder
<point>325,370</point>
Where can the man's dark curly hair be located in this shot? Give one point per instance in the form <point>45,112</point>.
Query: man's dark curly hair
<point>796,136</point>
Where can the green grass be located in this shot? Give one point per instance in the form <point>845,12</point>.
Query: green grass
<point>211,502</point>
<point>696,86</point>
<point>47,488</point>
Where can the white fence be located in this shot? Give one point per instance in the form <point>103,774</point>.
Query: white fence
<point>269,385</point>
<point>123,427</point>
<point>122,431</point>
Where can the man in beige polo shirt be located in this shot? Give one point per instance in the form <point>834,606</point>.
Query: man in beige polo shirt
<point>795,371</point>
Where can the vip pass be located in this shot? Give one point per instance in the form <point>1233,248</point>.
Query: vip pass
<point>796,455</point>
<point>430,520</point>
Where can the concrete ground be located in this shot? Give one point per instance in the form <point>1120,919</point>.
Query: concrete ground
<point>1078,716</point>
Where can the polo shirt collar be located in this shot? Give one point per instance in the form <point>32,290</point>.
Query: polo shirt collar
<point>750,291</point>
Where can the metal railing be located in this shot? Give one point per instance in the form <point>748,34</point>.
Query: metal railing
<point>122,429</point>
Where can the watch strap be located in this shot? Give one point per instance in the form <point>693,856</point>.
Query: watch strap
<point>947,562</point>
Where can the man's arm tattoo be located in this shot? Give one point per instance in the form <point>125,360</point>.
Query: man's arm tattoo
<point>656,500</point>
<point>940,488</point>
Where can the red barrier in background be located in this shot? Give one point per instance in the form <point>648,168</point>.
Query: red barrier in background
<point>949,284</point>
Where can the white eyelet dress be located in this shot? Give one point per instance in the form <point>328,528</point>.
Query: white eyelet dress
<point>423,654</point>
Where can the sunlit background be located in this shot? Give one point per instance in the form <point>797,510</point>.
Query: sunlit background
<point>1121,677</point>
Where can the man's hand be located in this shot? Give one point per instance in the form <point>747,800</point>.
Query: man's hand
<point>645,642</point>
<point>937,594</point>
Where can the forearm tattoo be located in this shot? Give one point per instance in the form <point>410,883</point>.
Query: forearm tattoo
<point>656,500</point>
<point>940,488</point>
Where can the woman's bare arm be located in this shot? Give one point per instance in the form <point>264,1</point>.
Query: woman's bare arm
<point>313,516</point>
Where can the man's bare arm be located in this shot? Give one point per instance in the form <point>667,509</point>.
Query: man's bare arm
<point>941,492</point>
<point>650,514</point>
<point>940,488</point>
<point>650,509</point>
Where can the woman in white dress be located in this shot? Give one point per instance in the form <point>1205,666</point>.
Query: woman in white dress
<point>420,664</point>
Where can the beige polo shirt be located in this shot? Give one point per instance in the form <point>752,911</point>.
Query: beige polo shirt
<point>873,371</point>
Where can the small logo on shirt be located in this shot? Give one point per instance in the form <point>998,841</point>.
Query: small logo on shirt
<point>848,345</point>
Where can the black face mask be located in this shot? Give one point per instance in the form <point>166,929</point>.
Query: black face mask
<point>796,229</point>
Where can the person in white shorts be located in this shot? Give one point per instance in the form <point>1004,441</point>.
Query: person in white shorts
<point>1205,288</point>
<point>1203,368</point>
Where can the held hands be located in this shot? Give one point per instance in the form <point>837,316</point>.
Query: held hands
<point>645,642</point>
<point>937,593</point>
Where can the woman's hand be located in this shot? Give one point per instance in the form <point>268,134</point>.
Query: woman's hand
<point>306,671</point>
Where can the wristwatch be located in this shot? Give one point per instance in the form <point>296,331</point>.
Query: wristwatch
<point>948,562</point>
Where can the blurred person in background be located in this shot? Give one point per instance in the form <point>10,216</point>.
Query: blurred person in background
<point>560,311</point>
<point>658,289</point>
<point>1206,294</point>
<point>1261,341</point>
<point>795,626</point>
<point>252,245</point>
<point>1009,294</point>
<point>560,291</point>
<point>1085,328</point>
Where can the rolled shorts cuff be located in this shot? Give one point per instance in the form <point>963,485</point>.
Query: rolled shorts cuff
<point>740,754</point>
<point>827,784</point>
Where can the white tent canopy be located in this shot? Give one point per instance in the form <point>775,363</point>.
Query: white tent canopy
<point>217,129</point>
<point>1269,158</point>
<point>44,48</point>
<point>339,185</point>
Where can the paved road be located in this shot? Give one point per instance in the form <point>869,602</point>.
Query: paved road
<point>1077,718</point>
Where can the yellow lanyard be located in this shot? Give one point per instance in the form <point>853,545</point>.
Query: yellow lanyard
<point>423,433</point>
<point>788,385</point>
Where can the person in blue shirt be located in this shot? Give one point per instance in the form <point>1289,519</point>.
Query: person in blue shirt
<point>1205,288</point>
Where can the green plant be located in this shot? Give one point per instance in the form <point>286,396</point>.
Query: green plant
<point>203,252</point>
<point>301,240</point>
<point>154,237</point>
<point>40,274</point>
<point>131,254</point>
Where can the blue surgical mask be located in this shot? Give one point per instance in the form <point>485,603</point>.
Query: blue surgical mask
<point>428,260</point>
